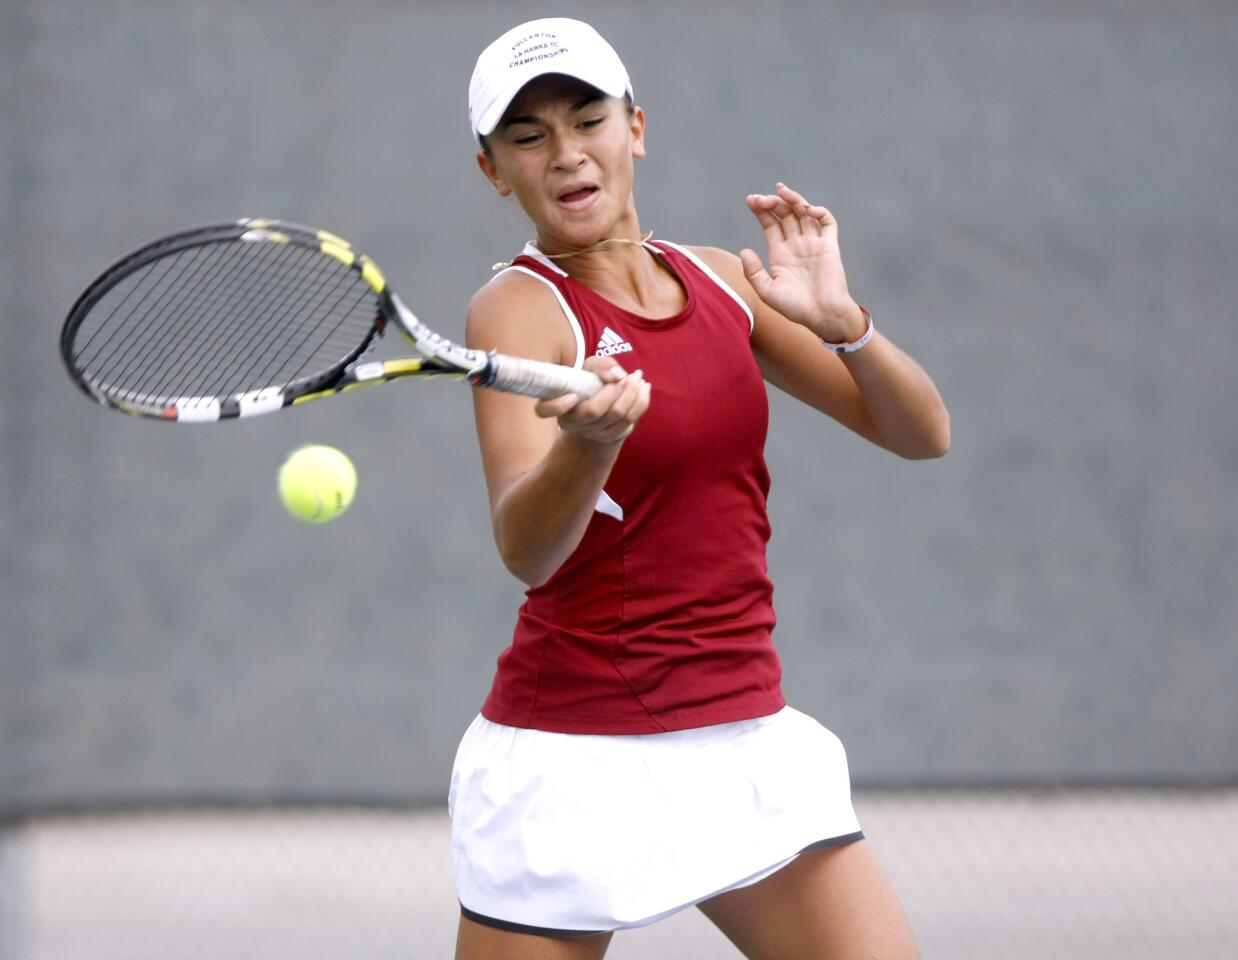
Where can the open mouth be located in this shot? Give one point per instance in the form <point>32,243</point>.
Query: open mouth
<point>577,195</point>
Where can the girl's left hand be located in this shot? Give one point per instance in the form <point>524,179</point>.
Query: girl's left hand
<point>805,281</point>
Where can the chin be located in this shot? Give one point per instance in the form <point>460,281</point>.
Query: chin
<point>579,235</point>
<point>597,226</point>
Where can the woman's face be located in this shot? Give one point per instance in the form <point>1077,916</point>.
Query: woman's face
<point>566,151</point>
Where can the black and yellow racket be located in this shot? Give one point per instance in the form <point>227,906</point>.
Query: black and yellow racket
<point>243,318</point>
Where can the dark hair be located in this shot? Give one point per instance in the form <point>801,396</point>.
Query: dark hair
<point>627,100</point>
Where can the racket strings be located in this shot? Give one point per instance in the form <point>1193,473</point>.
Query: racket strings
<point>196,335</point>
<point>235,321</point>
<point>124,325</point>
<point>315,341</point>
<point>287,346</point>
<point>225,318</point>
<point>148,335</point>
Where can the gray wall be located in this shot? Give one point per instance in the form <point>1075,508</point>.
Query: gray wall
<point>1036,201</point>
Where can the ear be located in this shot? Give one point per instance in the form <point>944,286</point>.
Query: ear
<point>491,172</point>
<point>637,125</point>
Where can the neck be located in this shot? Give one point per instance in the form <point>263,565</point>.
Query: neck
<point>617,256</point>
<point>627,275</point>
<point>605,244</point>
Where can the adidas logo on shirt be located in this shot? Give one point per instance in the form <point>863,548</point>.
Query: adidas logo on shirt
<point>611,343</point>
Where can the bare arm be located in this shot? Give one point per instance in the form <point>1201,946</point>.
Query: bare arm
<point>545,461</point>
<point>879,391</point>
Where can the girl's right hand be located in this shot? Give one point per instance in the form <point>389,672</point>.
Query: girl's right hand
<point>610,414</point>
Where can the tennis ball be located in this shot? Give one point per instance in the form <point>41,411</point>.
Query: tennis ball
<point>317,483</point>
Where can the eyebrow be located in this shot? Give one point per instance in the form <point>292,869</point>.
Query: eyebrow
<point>580,104</point>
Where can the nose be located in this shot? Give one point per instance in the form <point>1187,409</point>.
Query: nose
<point>568,154</point>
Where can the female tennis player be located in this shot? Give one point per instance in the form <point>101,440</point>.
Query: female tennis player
<point>635,755</point>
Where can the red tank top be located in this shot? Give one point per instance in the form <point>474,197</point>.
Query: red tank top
<point>661,618</point>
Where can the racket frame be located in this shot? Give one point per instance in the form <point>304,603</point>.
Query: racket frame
<point>436,355</point>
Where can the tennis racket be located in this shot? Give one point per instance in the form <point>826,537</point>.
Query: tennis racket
<point>244,318</point>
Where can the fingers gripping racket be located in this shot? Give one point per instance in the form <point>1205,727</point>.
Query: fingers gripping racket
<point>244,318</point>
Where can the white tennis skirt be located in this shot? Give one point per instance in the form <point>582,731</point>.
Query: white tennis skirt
<point>570,834</point>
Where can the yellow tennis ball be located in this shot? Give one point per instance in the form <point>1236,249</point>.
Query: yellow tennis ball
<point>317,483</point>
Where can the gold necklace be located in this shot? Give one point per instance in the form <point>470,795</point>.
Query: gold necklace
<point>503,265</point>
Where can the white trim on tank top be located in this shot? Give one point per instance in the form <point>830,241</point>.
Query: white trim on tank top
<point>577,333</point>
<point>605,504</point>
<point>532,252</point>
<point>705,269</point>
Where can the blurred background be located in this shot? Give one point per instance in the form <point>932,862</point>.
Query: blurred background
<point>226,733</point>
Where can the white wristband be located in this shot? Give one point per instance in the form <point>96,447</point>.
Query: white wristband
<point>854,345</point>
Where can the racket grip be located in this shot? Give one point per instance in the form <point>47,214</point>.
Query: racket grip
<point>534,378</point>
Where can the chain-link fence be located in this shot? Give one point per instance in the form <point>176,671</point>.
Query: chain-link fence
<point>1097,874</point>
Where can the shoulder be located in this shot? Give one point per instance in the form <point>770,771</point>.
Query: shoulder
<point>714,257</point>
<point>729,269</point>
<point>519,314</point>
<point>510,290</point>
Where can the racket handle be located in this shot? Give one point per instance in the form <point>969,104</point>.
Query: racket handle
<point>534,378</point>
